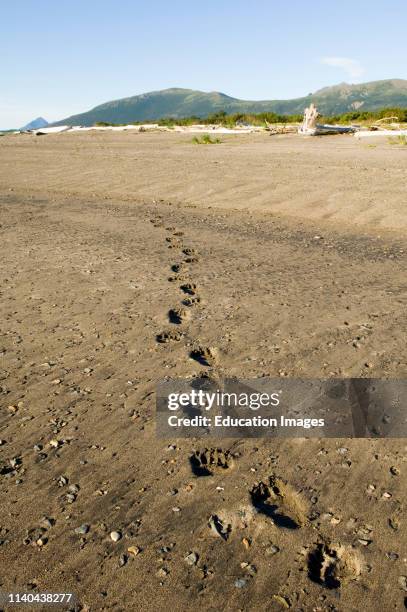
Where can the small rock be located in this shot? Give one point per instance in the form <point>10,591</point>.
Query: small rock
<point>41,542</point>
<point>62,481</point>
<point>272,550</point>
<point>115,536</point>
<point>282,601</point>
<point>82,530</point>
<point>123,560</point>
<point>218,528</point>
<point>134,550</point>
<point>403,582</point>
<point>364,542</point>
<point>394,523</point>
<point>192,558</point>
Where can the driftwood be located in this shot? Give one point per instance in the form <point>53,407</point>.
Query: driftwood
<point>280,129</point>
<point>310,127</point>
<point>309,124</point>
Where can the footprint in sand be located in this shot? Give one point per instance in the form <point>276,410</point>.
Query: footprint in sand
<point>281,502</point>
<point>210,460</point>
<point>177,267</point>
<point>334,565</point>
<point>179,278</point>
<point>178,315</point>
<point>169,336</point>
<point>191,301</point>
<point>206,355</point>
<point>189,288</point>
<point>189,251</point>
<point>173,242</point>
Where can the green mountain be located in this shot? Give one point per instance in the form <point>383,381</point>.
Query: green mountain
<point>179,103</point>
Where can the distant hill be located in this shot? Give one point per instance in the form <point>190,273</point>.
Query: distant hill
<point>36,124</point>
<point>179,103</point>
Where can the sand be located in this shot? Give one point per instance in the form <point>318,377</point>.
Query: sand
<point>300,271</point>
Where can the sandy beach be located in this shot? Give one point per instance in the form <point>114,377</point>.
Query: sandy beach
<point>296,251</point>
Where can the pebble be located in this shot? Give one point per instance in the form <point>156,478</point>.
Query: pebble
<point>123,560</point>
<point>364,542</point>
<point>115,536</point>
<point>394,523</point>
<point>272,550</point>
<point>403,582</point>
<point>82,530</point>
<point>41,542</point>
<point>134,550</point>
<point>192,558</point>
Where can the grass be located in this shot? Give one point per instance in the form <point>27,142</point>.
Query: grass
<point>205,139</point>
<point>398,140</point>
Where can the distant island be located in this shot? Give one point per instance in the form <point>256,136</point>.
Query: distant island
<point>36,124</point>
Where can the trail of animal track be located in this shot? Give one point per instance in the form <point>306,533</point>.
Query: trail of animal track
<point>178,315</point>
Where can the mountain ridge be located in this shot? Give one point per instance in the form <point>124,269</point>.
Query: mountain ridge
<point>180,102</point>
<point>36,124</point>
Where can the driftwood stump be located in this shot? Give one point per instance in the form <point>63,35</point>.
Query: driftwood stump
<point>309,124</point>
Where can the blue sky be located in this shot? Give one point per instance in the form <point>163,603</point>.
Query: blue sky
<point>60,57</point>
